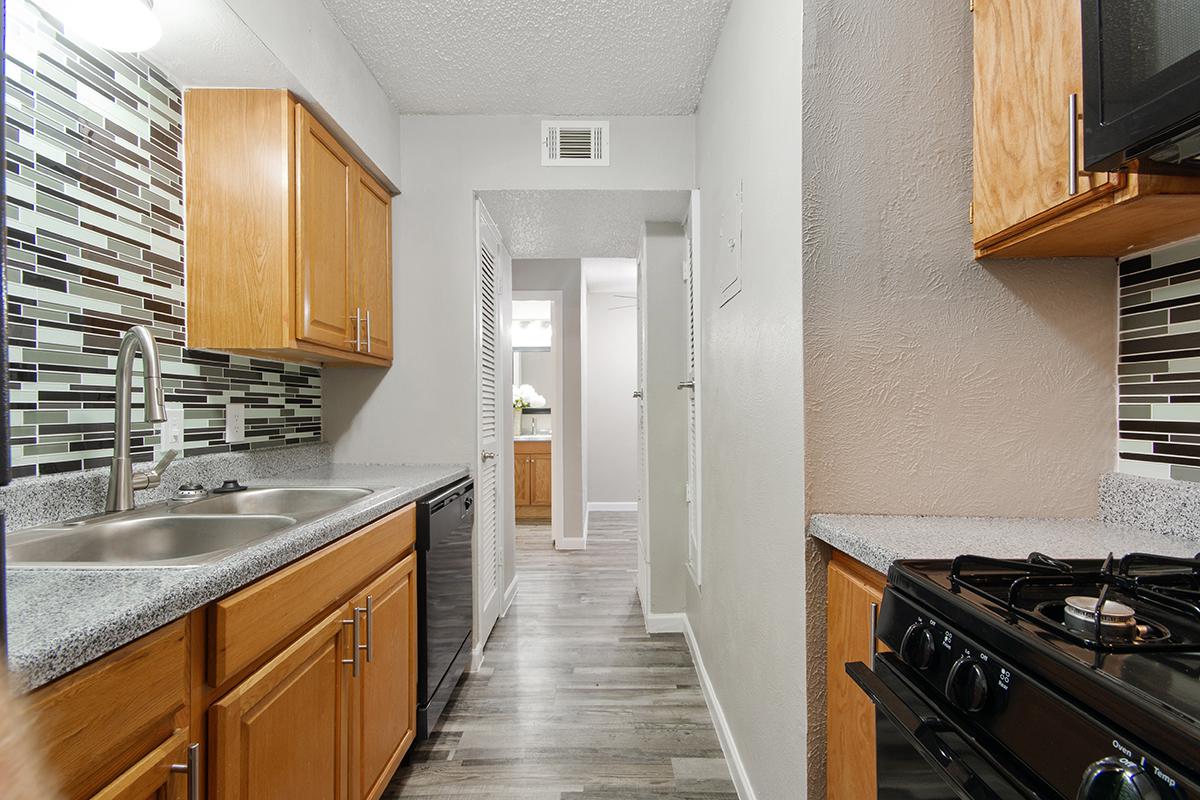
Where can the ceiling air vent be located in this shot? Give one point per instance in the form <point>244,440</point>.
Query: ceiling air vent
<point>574,143</point>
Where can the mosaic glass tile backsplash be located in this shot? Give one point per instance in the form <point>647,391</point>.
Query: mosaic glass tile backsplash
<point>95,245</point>
<point>1159,364</point>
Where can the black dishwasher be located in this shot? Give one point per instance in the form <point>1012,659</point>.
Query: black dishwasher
<point>444,591</point>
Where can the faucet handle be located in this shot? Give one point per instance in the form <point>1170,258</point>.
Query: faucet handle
<point>151,478</point>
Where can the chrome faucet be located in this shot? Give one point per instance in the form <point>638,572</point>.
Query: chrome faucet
<point>122,482</point>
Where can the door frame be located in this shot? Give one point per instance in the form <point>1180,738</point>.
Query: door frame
<point>696,474</point>
<point>555,298</point>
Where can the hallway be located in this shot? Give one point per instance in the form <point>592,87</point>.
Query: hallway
<point>575,701</point>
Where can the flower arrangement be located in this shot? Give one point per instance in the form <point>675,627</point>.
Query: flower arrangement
<point>525,396</point>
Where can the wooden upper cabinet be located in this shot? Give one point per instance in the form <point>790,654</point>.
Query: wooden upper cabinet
<point>274,214</point>
<point>372,257</point>
<point>384,711</point>
<point>326,181</point>
<point>1028,66</point>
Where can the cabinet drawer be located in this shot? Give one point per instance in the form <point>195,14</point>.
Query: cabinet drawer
<point>252,623</point>
<point>96,723</point>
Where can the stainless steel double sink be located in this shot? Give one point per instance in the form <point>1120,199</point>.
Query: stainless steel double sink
<point>181,534</point>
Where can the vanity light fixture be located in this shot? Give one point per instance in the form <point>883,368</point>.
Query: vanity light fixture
<point>126,26</point>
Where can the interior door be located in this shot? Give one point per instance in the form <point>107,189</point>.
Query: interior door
<point>386,706</point>
<point>643,562</point>
<point>692,387</point>
<point>324,195</point>
<point>1028,64</point>
<point>488,565</point>
<point>373,263</point>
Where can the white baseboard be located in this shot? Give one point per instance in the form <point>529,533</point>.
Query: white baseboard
<point>510,594</point>
<point>737,770</point>
<point>574,543</point>
<point>665,623</point>
<point>623,506</point>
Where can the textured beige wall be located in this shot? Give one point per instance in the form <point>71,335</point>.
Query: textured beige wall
<point>935,384</point>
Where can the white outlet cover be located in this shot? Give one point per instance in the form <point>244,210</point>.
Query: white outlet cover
<point>235,422</point>
<point>172,429</point>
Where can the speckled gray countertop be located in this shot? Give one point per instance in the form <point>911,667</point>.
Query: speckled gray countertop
<point>60,619</point>
<point>877,541</point>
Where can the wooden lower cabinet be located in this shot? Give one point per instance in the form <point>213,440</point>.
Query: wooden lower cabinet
<point>850,720</point>
<point>533,484</point>
<point>263,680</point>
<point>282,733</point>
<point>384,707</point>
<point>155,777</point>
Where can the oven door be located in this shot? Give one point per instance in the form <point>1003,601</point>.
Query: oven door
<point>923,754</point>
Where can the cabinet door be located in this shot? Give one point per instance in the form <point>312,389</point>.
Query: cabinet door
<point>539,481</point>
<point>385,704</point>
<point>851,715</point>
<point>152,778</point>
<point>1028,64</point>
<point>372,250</point>
<point>521,479</point>
<point>324,195</point>
<point>282,733</point>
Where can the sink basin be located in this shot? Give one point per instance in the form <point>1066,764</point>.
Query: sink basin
<point>299,503</point>
<point>159,540</point>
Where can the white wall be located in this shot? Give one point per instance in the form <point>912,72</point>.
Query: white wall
<point>749,619</point>
<point>661,289</point>
<point>564,275</point>
<point>612,411</point>
<point>423,408</point>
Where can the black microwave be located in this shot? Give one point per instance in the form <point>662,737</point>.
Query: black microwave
<point>1141,85</point>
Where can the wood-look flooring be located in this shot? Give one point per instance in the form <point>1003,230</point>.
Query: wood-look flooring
<point>574,701</point>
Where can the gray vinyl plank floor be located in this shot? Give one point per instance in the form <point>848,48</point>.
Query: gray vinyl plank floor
<point>575,700</point>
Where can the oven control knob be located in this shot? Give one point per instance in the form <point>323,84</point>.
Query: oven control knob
<point>1117,778</point>
<point>918,647</point>
<point>967,685</point>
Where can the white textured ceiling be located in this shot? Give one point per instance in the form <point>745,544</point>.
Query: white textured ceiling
<point>566,57</point>
<point>583,223</point>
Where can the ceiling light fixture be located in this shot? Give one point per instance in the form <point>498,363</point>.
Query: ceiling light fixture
<point>126,26</point>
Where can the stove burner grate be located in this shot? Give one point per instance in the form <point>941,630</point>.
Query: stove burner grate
<point>1158,583</point>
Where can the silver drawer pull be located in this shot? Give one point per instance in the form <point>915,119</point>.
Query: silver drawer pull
<point>369,611</point>
<point>192,770</point>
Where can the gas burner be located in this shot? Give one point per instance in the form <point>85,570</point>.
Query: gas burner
<point>1118,621</point>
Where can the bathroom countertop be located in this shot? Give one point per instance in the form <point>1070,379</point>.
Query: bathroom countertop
<point>878,540</point>
<point>532,437</point>
<point>60,619</point>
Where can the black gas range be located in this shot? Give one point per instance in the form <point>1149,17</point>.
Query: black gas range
<point>1038,678</point>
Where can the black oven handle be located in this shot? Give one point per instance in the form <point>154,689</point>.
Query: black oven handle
<point>922,733</point>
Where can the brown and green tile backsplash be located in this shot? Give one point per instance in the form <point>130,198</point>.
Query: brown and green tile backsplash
<point>95,245</point>
<point>1159,365</point>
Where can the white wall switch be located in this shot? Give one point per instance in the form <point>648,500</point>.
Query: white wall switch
<point>235,422</point>
<point>172,428</point>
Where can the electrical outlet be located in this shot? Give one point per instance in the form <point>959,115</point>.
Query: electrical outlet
<point>235,422</point>
<point>172,428</point>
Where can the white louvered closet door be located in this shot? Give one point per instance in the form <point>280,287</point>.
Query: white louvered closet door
<point>693,453</point>
<point>488,547</point>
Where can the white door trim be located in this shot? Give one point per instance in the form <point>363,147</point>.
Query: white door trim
<point>696,478</point>
<point>556,435</point>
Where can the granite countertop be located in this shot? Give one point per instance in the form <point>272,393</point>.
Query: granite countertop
<point>878,540</point>
<point>60,619</point>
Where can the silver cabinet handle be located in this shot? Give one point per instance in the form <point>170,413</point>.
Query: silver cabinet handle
<point>368,330</point>
<point>1073,145</point>
<point>687,385</point>
<point>872,626</point>
<point>353,659</point>
<point>369,610</point>
<point>357,340</point>
<point>192,769</point>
